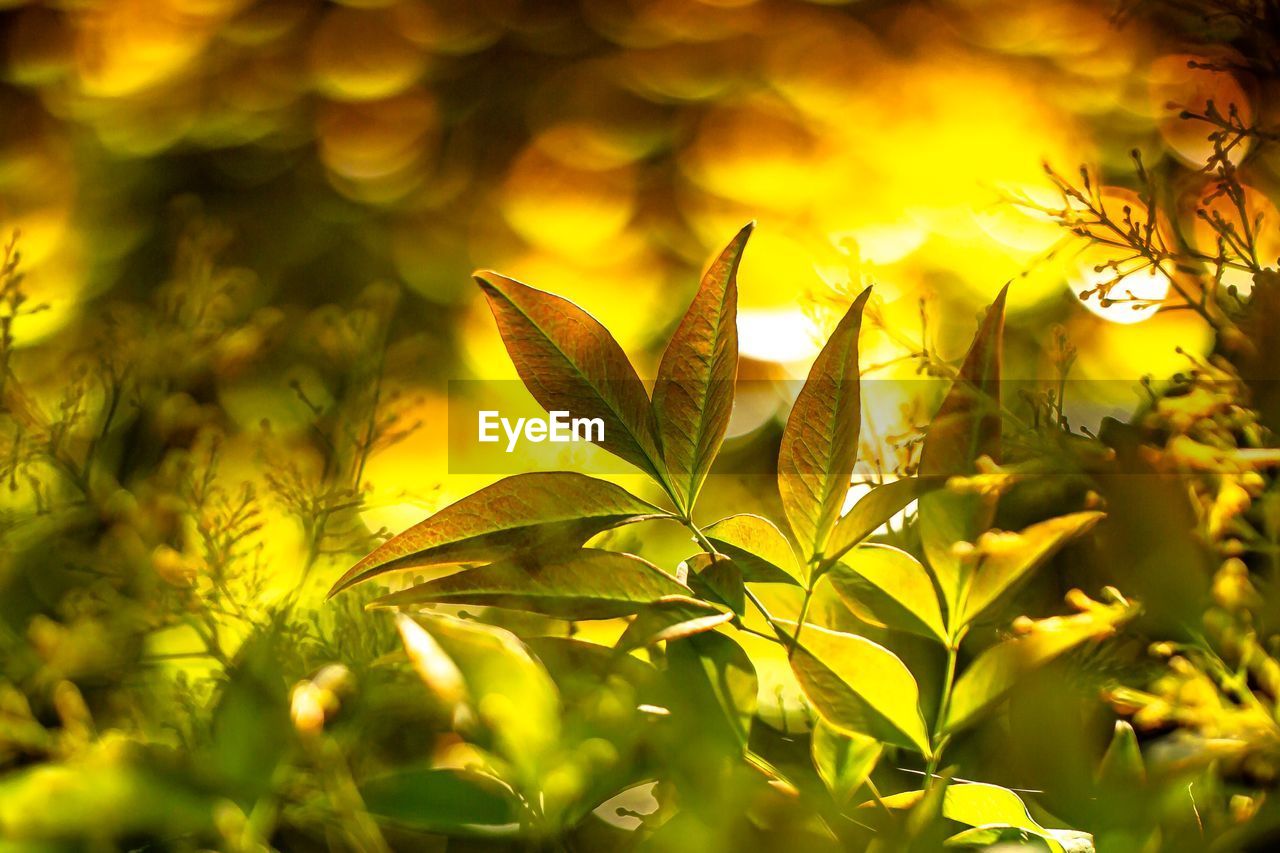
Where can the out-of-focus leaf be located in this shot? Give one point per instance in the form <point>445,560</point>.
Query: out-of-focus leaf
<point>569,362</point>
<point>585,584</point>
<point>693,394</point>
<point>670,619</point>
<point>436,669</point>
<point>998,669</point>
<point>887,587</point>
<point>1007,558</point>
<point>844,761</point>
<point>860,687</point>
<point>252,727</point>
<point>519,514</point>
<point>758,547</point>
<point>718,579</point>
<point>714,683</point>
<point>510,690</point>
<point>1122,767</point>
<point>442,800</point>
<point>820,441</point>
<point>966,427</point>
<point>996,814</point>
<point>872,510</point>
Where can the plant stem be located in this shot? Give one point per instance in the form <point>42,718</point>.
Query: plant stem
<point>940,738</point>
<point>707,546</point>
<point>804,614</point>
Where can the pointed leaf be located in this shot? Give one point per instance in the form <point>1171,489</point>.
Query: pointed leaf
<point>569,362</point>
<point>714,685</point>
<point>1122,767</point>
<point>1004,559</point>
<point>693,394</point>
<point>860,687</point>
<point>759,549</point>
<point>820,441</point>
<point>718,579</point>
<point>996,813</point>
<point>966,427</point>
<point>887,587</point>
<point>995,672</point>
<point>509,689</point>
<point>844,761</point>
<point>873,510</point>
<point>671,618</point>
<point>585,584</point>
<point>526,512</point>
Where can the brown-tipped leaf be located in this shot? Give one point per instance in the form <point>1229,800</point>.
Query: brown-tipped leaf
<point>693,395</point>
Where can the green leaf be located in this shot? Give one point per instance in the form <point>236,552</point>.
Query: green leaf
<point>1122,767</point>
<point>844,761</point>
<point>507,689</point>
<point>994,672</point>
<point>820,441</point>
<point>718,579</point>
<point>966,427</point>
<point>887,587</point>
<point>693,394</point>
<point>526,513</point>
<point>1004,559</point>
<point>860,687</point>
<point>992,810</point>
<point>569,362</point>
<point>758,547</point>
<point>873,510</point>
<point>585,584</point>
<point>252,729</point>
<point>455,802</point>
<point>714,685</point>
<point>669,619</point>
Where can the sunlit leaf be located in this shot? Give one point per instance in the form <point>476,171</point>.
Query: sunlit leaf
<point>513,696</point>
<point>872,511</point>
<point>569,362</point>
<point>670,619</point>
<point>585,584</point>
<point>442,800</point>
<point>887,587</point>
<point>1004,559</point>
<point>820,441</point>
<point>843,760</point>
<point>718,579</point>
<point>966,427</point>
<point>758,547</point>
<point>860,687</point>
<point>693,394</point>
<point>994,673</point>
<point>996,813</point>
<point>526,513</point>
<point>714,683</point>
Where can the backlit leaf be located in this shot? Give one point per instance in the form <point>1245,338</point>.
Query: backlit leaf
<point>526,512</point>
<point>966,427</point>
<point>1007,558</point>
<point>718,579</point>
<point>860,687</point>
<point>760,549</point>
<point>671,618</point>
<point>820,441</point>
<point>995,812</point>
<point>693,394</point>
<point>569,362</point>
<point>873,510</point>
<point>844,761</point>
<point>887,587</point>
<point>585,584</point>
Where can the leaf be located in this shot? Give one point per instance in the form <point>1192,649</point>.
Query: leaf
<point>252,729</point>
<point>873,510</point>
<point>966,427</point>
<point>1122,767</point>
<point>994,672</point>
<point>820,441</point>
<point>887,587</point>
<point>509,690</point>
<point>718,579</point>
<point>519,514</point>
<point>758,547</point>
<point>669,619</point>
<point>585,584</point>
<point>455,802</point>
<point>860,687</point>
<point>693,394</point>
<point>991,809</point>
<point>714,685</point>
<point>844,761</point>
<point>1007,558</point>
<point>569,362</point>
